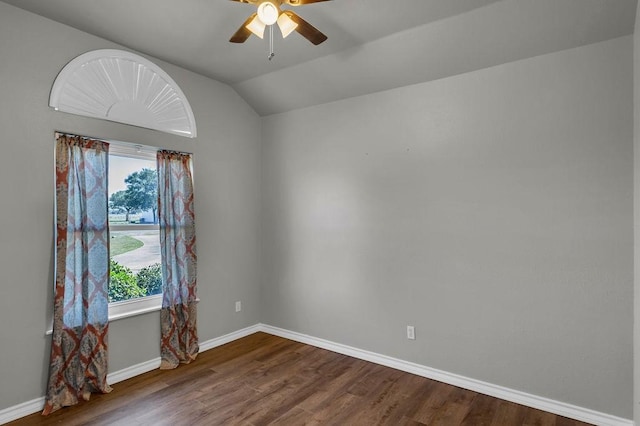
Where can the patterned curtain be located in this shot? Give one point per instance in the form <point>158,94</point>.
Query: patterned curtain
<point>80,323</point>
<point>178,249</point>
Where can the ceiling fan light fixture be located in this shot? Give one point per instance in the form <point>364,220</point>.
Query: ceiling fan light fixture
<point>286,24</point>
<point>256,26</point>
<point>268,13</point>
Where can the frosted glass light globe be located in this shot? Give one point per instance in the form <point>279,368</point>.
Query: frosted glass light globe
<point>268,13</point>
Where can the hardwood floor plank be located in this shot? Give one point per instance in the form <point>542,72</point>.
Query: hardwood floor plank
<point>539,418</point>
<point>508,413</point>
<point>345,373</point>
<point>430,405</point>
<point>402,401</point>
<point>377,380</point>
<point>339,410</point>
<point>563,421</point>
<point>482,411</point>
<point>415,400</point>
<point>267,380</point>
<point>298,417</point>
<point>455,408</point>
<point>406,421</point>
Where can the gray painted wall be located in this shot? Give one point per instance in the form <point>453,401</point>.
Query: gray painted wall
<point>226,167</point>
<point>636,221</point>
<point>493,211</point>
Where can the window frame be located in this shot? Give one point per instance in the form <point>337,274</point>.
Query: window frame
<point>141,305</point>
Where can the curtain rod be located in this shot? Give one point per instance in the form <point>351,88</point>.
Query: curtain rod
<point>58,134</point>
<point>121,143</point>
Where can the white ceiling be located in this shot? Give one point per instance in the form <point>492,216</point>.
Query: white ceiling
<point>373,45</point>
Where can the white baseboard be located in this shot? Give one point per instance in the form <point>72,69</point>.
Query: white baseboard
<point>541,403</point>
<point>227,338</point>
<point>154,364</point>
<point>545,404</point>
<point>17,411</point>
<point>133,371</point>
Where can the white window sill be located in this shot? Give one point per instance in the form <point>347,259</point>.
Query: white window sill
<point>129,308</point>
<point>134,307</point>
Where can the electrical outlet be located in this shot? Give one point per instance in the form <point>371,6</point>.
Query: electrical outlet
<point>411,332</point>
<point>238,306</point>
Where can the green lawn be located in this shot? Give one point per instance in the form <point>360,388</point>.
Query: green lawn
<point>123,243</point>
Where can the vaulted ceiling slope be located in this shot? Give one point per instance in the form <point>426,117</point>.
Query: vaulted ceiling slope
<point>373,45</point>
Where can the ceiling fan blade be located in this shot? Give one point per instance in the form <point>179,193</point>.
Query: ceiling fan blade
<point>298,2</point>
<point>243,32</point>
<point>305,29</point>
<point>246,1</point>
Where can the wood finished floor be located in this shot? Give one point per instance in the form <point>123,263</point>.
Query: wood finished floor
<point>262,379</point>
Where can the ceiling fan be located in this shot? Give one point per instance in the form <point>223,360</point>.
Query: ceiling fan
<point>269,13</point>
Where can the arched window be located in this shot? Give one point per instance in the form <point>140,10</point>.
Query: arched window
<point>121,86</point>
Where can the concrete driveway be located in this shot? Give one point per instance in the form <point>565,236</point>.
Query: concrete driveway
<point>141,257</point>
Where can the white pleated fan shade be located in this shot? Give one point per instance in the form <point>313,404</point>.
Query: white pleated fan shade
<point>121,86</point>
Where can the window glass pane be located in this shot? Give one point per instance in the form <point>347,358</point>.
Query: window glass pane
<point>133,190</point>
<point>135,242</point>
